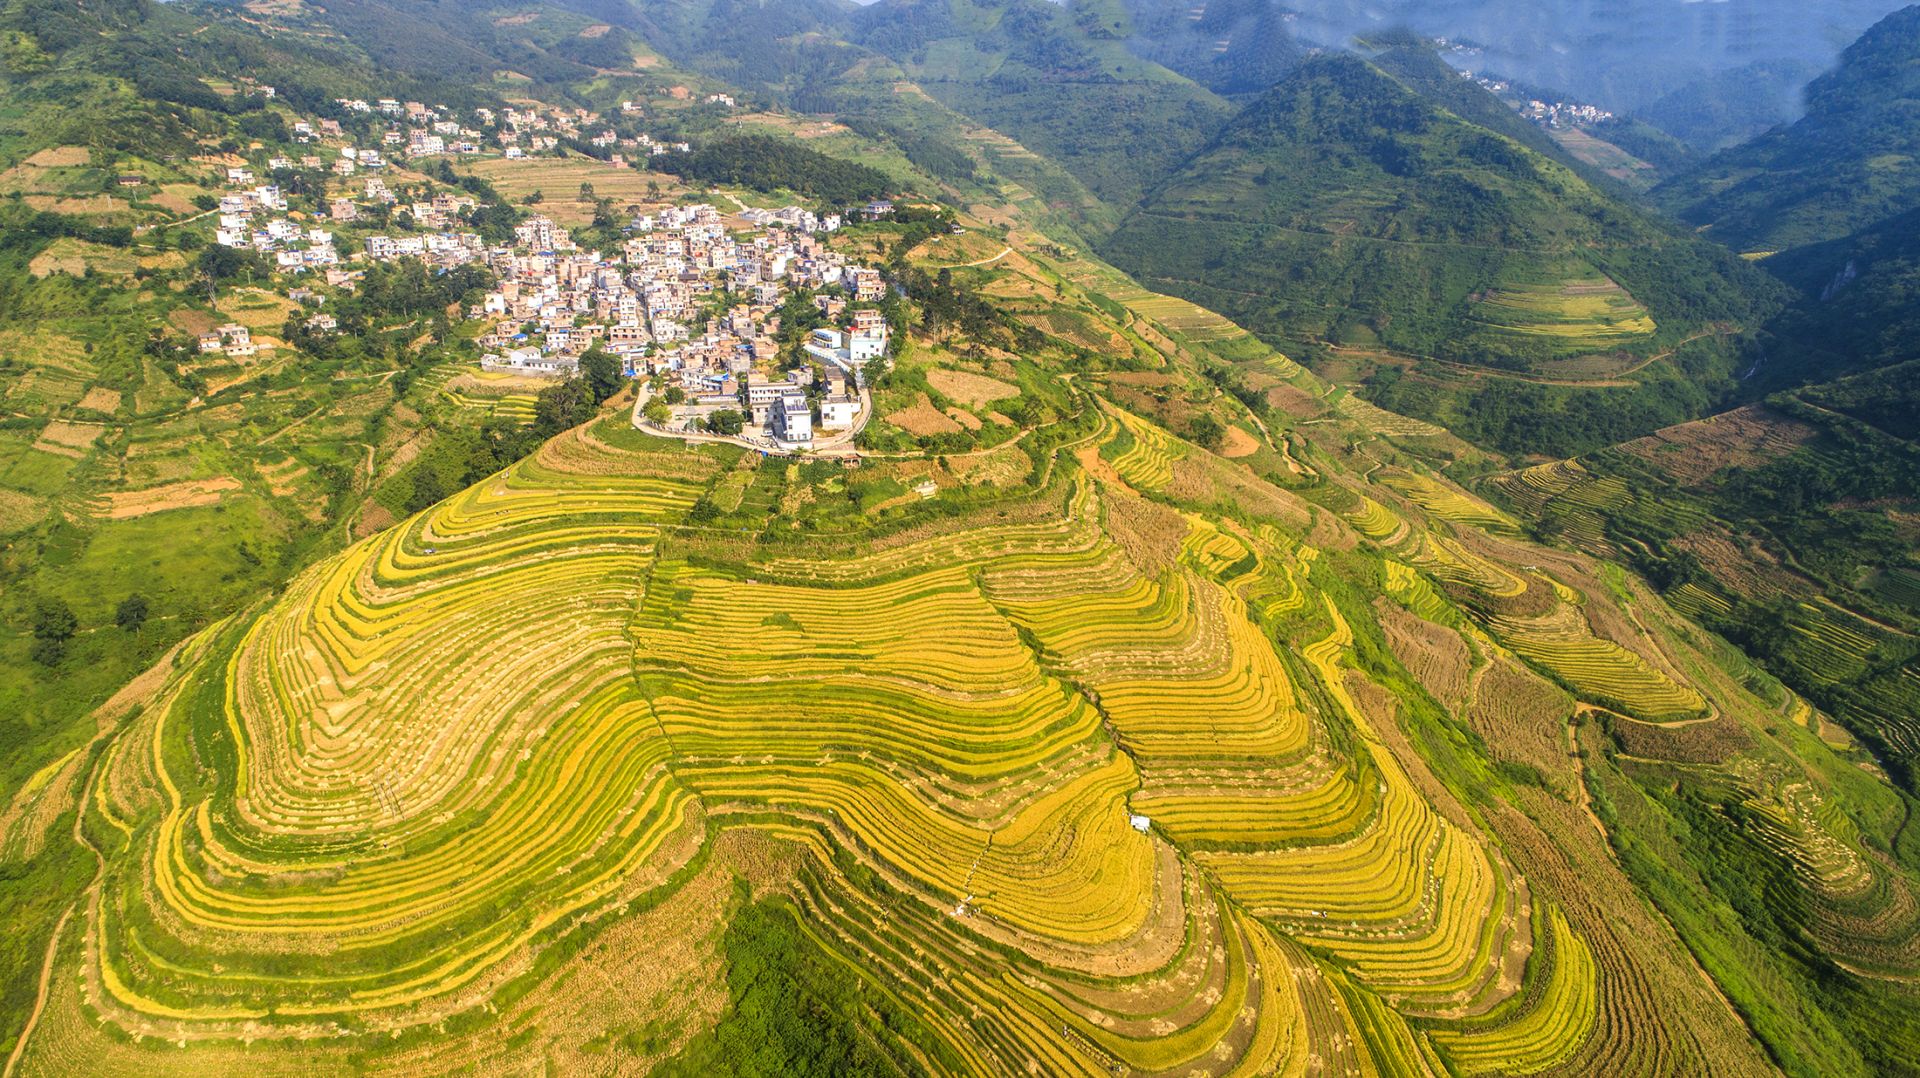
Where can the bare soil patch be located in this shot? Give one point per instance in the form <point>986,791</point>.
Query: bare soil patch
<point>192,494</point>
<point>972,390</point>
<point>1239,444</point>
<point>922,419</point>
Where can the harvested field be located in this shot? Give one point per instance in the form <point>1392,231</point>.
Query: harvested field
<point>922,419</point>
<point>258,310</point>
<point>965,418</point>
<point>1522,718</point>
<point>972,390</point>
<point>192,321</point>
<point>101,399</point>
<point>1743,438</point>
<point>1742,566</point>
<point>1434,654</point>
<point>1295,401</point>
<point>192,494</point>
<point>69,439</point>
<point>60,157</point>
<point>558,180</point>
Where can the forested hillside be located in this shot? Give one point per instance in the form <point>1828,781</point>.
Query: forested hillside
<point>1344,208</point>
<point>1850,162</point>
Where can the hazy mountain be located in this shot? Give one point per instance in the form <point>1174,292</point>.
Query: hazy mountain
<point>1851,161</point>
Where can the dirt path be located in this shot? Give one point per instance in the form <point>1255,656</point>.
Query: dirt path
<point>1004,252</point>
<point>40,995</point>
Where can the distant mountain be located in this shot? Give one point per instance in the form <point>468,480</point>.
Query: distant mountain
<point>1729,107</point>
<point>1342,201</point>
<point>1624,54</point>
<point>1059,79</point>
<point>1232,47</point>
<point>1853,160</point>
<point>1345,208</point>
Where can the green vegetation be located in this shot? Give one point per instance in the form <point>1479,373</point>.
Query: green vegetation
<point>1848,163</point>
<point>770,164</point>
<point>1343,207</point>
<point>796,1009</point>
<point>1138,700</point>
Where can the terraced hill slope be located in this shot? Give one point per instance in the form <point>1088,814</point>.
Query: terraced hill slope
<point>1153,760</point>
<point>1466,275</point>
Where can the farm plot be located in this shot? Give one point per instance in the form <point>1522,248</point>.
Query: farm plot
<point>1583,312</point>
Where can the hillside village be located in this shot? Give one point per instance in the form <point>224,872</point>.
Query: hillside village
<point>692,300</point>
<point>698,306</point>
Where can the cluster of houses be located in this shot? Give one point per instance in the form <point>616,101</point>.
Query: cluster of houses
<point>691,299</point>
<point>692,295</point>
<point>420,130</point>
<point>232,340</point>
<point>255,218</point>
<point>1554,114</point>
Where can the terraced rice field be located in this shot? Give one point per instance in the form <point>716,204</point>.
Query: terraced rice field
<point>1107,770</point>
<point>1577,496</point>
<point>1583,313</point>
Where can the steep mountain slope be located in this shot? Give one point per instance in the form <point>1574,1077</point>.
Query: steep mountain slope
<point>1343,207</point>
<point>1059,79</point>
<point>1860,305</point>
<point>1851,161</point>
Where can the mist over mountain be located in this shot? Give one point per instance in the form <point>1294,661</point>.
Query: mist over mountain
<point>1625,55</point>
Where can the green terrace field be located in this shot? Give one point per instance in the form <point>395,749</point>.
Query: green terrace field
<point>1584,312</point>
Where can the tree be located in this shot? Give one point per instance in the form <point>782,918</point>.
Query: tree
<point>560,407</point>
<point>53,625</point>
<point>602,373</point>
<point>727,422</point>
<point>676,395</point>
<point>428,490</point>
<point>1207,431</point>
<point>657,411</point>
<point>131,614</point>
